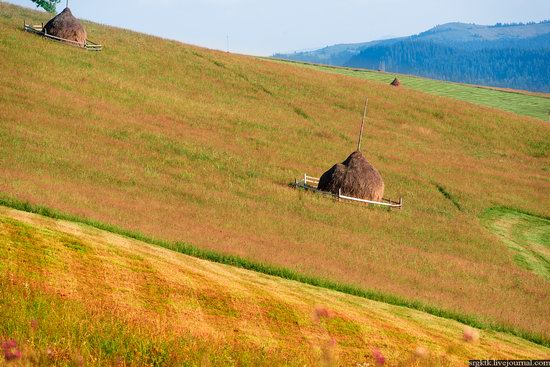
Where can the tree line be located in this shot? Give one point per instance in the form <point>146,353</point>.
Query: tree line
<point>525,65</point>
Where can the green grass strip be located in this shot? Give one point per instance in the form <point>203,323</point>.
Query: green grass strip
<point>232,260</point>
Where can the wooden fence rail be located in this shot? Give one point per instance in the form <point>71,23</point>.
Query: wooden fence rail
<point>39,29</point>
<point>311,183</point>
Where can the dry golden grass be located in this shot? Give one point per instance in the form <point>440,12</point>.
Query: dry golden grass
<point>183,143</point>
<point>71,293</point>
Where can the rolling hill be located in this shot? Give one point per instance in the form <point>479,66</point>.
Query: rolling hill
<point>84,296</point>
<point>504,55</point>
<point>197,146</point>
<point>521,102</point>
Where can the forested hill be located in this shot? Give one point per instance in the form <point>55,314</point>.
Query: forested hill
<point>516,67</point>
<point>504,55</point>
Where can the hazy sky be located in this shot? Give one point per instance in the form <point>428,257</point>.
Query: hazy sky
<point>263,27</point>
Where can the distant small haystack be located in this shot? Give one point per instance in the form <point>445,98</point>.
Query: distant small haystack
<point>396,83</point>
<point>355,177</point>
<point>67,27</point>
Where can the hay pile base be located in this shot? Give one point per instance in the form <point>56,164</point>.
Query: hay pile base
<point>354,177</point>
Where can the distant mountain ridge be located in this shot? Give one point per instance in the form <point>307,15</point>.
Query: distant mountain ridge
<point>502,55</point>
<point>462,32</point>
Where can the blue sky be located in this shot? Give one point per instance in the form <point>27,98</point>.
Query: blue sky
<point>263,27</point>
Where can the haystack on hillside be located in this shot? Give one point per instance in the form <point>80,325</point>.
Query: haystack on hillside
<point>355,177</point>
<point>396,83</point>
<point>66,26</point>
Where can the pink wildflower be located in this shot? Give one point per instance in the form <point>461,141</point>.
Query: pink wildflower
<point>471,335</point>
<point>11,352</point>
<point>378,357</point>
<point>320,313</point>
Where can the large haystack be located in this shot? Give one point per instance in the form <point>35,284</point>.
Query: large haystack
<point>355,177</point>
<point>66,26</point>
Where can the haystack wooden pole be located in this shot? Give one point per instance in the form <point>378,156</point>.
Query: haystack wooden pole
<point>362,125</point>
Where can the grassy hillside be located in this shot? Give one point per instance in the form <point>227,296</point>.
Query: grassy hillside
<point>75,294</point>
<point>186,144</point>
<point>524,103</point>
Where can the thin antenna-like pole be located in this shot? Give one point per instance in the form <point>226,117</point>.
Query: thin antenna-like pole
<point>67,4</point>
<point>363,125</point>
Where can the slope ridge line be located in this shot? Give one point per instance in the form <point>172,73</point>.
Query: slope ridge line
<point>190,250</point>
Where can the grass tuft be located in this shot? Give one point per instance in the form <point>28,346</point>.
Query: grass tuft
<point>448,196</point>
<point>301,113</point>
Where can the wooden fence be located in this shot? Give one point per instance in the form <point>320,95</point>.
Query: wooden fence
<point>311,183</point>
<point>39,29</point>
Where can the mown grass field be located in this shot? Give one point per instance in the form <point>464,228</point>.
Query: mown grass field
<point>524,103</point>
<point>72,294</point>
<point>528,237</point>
<point>192,145</point>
